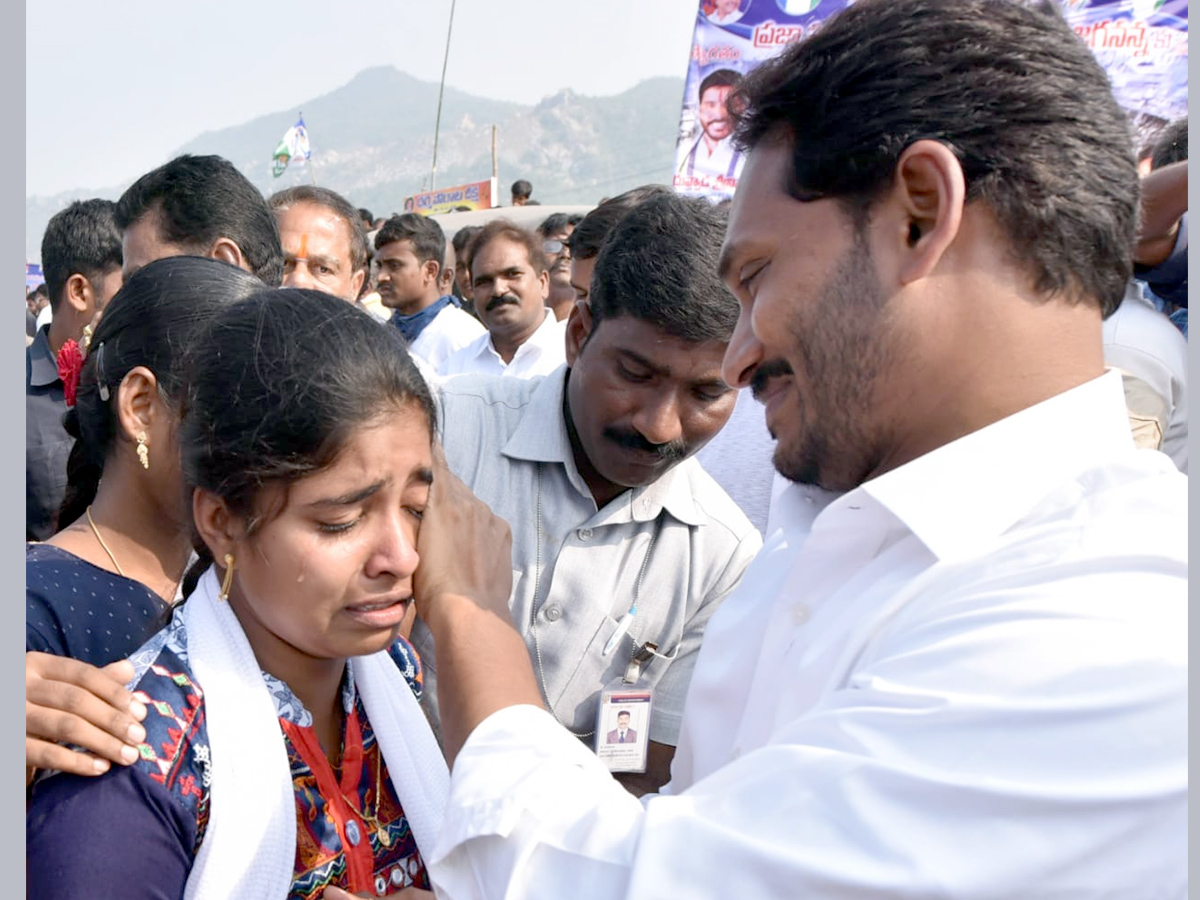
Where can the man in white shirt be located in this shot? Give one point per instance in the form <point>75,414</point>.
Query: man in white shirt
<point>713,153</point>
<point>410,250</point>
<point>510,281</point>
<point>966,676</point>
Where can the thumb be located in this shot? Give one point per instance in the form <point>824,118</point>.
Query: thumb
<point>122,671</point>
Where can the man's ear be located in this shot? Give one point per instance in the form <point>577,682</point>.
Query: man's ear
<point>228,251</point>
<point>78,293</point>
<point>356,283</point>
<point>579,329</point>
<point>929,192</point>
<point>544,281</point>
<point>432,269</point>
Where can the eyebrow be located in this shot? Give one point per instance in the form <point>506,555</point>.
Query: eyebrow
<point>351,498</point>
<point>664,372</point>
<point>421,476</point>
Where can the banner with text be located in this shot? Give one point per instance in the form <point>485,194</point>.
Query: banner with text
<point>476,195</point>
<point>1141,43</point>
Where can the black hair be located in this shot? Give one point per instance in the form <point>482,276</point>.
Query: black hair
<point>719,78</point>
<point>1009,88</point>
<point>1171,146</point>
<point>593,229</point>
<point>509,231</point>
<point>201,199</point>
<point>428,239</point>
<point>336,204</point>
<point>521,188</point>
<point>305,369</point>
<point>462,238</point>
<point>82,239</point>
<point>151,322</point>
<point>367,218</point>
<point>557,222</point>
<point>660,265</point>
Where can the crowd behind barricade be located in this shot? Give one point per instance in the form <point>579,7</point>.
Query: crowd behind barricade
<point>827,542</point>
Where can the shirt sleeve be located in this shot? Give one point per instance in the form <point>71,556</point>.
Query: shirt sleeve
<point>43,631</point>
<point>969,756</point>
<point>118,835</point>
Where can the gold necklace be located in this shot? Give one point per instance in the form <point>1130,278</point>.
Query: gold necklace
<point>381,832</point>
<point>96,532</point>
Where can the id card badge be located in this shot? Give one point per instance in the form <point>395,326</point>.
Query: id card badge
<point>623,722</point>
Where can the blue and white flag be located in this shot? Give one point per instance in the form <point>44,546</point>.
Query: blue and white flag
<point>292,148</point>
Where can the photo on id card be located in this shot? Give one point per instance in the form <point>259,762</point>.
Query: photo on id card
<point>622,729</point>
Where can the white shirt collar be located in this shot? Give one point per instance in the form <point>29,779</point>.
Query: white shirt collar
<point>954,507</point>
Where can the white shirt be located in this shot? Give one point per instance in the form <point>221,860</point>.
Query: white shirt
<point>967,680</point>
<point>541,354</point>
<point>45,317</point>
<point>678,546</point>
<point>723,160</point>
<point>1143,342</point>
<point>450,331</point>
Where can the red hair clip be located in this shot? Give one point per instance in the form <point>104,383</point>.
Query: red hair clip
<point>70,361</point>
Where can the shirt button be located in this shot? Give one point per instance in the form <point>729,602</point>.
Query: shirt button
<point>800,614</point>
<point>352,833</point>
<point>553,613</point>
<point>585,534</point>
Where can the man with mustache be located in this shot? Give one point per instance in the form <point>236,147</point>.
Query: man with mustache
<point>410,251</point>
<point>510,281</point>
<point>968,677</point>
<point>714,155</point>
<point>623,545</point>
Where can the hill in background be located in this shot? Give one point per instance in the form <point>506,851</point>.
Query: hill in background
<point>372,141</point>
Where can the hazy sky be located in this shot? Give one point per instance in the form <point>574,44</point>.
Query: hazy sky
<point>113,88</point>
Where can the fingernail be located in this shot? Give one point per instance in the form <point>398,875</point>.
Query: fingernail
<point>100,765</point>
<point>137,710</point>
<point>129,755</point>
<point>137,733</point>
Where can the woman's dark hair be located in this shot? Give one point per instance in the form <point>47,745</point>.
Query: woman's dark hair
<point>277,386</point>
<point>155,316</point>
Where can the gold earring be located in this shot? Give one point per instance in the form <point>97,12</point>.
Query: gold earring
<point>143,451</point>
<point>227,581</point>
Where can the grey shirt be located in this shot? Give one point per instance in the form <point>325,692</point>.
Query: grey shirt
<point>576,569</point>
<point>47,444</point>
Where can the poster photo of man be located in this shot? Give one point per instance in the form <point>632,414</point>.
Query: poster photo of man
<point>712,163</point>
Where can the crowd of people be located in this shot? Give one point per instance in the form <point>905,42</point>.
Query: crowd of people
<point>826,542</point>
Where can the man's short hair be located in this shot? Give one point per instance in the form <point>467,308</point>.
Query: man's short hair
<point>594,228</point>
<point>82,239</point>
<point>1010,89</point>
<point>202,199</point>
<point>336,204</point>
<point>719,78</point>
<point>510,231</point>
<point>462,244</point>
<point>556,223</point>
<point>428,239</point>
<point>1171,145</point>
<point>660,265</point>
<point>521,188</point>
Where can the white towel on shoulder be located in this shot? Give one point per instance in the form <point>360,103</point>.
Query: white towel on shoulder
<point>249,847</point>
